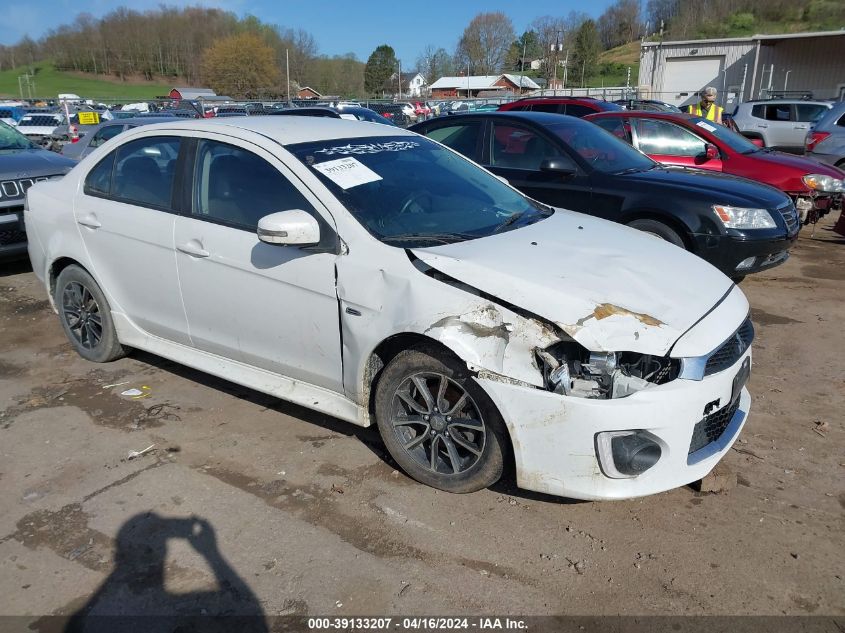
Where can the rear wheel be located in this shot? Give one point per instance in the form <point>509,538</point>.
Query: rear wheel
<point>86,316</point>
<point>658,229</point>
<point>438,423</point>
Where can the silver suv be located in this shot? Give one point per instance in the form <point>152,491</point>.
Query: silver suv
<point>826,140</point>
<point>780,123</point>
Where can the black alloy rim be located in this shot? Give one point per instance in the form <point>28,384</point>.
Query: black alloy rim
<point>438,424</point>
<point>82,315</point>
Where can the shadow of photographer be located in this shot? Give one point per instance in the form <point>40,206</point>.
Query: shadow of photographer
<point>134,598</point>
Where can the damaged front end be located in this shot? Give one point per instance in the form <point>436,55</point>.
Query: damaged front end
<point>571,370</point>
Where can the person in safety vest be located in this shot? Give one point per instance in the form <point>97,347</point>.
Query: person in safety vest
<point>707,107</point>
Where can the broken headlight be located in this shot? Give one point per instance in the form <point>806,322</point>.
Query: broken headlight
<point>570,369</point>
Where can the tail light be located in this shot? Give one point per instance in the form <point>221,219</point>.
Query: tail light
<point>814,138</point>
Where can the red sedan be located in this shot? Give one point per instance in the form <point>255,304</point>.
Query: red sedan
<point>690,141</point>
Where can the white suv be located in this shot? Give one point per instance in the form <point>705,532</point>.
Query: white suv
<point>779,123</point>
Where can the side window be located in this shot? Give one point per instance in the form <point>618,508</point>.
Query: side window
<point>98,181</point>
<point>619,127</point>
<point>237,187</point>
<point>574,109</point>
<point>841,121</point>
<point>523,107</point>
<point>759,111</point>
<point>461,138</point>
<point>104,134</point>
<point>809,112</point>
<point>554,108</point>
<point>515,147</point>
<point>667,139</point>
<point>778,112</point>
<point>144,171</point>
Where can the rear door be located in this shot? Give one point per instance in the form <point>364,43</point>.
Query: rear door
<point>672,144</point>
<point>805,116</point>
<point>126,213</point>
<point>780,125</point>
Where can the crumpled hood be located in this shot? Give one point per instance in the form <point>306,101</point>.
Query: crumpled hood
<point>608,286</point>
<point>32,163</point>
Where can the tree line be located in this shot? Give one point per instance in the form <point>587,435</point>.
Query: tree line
<point>245,57</point>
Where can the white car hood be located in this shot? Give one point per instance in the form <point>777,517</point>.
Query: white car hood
<point>609,287</point>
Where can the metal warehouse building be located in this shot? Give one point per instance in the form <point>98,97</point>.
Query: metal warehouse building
<point>745,68</point>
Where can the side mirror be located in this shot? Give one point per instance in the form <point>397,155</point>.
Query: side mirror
<point>711,151</point>
<point>289,228</point>
<point>558,166</point>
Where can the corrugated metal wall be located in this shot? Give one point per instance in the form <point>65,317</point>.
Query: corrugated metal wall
<point>734,57</point>
<point>815,64</point>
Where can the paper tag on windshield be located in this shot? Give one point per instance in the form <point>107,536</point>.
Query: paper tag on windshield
<point>706,126</point>
<point>347,172</point>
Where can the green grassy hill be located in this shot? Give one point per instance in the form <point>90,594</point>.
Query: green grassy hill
<point>49,82</point>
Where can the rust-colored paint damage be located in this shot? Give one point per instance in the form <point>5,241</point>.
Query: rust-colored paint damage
<point>606,310</point>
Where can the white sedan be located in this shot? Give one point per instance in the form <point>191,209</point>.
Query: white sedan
<point>376,276</point>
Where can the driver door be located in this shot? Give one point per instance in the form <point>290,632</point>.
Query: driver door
<point>269,306</point>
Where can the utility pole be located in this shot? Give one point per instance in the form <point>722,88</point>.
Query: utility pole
<point>287,72</point>
<point>522,66</point>
<point>565,68</point>
<point>400,79</point>
<point>556,48</point>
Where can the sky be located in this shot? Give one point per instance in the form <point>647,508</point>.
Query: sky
<point>339,27</point>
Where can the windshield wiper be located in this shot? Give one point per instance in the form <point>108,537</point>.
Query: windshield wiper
<point>443,238</point>
<point>510,220</point>
<point>630,170</point>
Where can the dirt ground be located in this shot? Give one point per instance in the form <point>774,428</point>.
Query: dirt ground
<point>247,504</point>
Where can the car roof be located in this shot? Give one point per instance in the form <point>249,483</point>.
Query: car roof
<point>287,130</point>
<point>641,114</point>
<point>541,118</point>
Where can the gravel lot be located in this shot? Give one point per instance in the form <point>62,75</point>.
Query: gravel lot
<point>307,515</point>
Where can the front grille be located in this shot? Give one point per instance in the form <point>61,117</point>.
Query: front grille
<point>732,349</point>
<point>790,216</point>
<point>712,426</point>
<point>11,236</point>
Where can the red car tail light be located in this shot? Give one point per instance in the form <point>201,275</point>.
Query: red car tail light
<point>815,138</point>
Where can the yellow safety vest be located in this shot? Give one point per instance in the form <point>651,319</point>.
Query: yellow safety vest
<point>712,114</point>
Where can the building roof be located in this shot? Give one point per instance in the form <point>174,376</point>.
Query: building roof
<point>753,38</point>
<point>481,82</point>
<point>195,93</point>
<point>522,81</point>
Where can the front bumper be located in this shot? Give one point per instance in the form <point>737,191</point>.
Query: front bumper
<point>554,436</point>
<point>727,252</point>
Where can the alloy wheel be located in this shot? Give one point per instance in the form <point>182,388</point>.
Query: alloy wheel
<point>438,424</point>
<point>82,315</point>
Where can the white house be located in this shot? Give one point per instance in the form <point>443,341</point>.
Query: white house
<point>417,86</point>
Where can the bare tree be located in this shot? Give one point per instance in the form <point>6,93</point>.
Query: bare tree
<point>620,23</point>
<point>485,43</point>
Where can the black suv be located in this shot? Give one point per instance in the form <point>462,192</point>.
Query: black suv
<point>737,225</point>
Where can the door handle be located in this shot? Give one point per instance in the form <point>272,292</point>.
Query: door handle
<point>193,248</point>
<point>763,126</point>
<point>90,221</point>
<point>800,127</point>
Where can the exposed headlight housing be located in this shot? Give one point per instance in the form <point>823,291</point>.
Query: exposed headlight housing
<point>820,182</point>
<point>571,370</point>
<point>743,218</point>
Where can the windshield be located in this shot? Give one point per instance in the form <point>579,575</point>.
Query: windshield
<point>736,141</point>
<point>410,192</point>
<point>12,140</point>
<point>600,149</point>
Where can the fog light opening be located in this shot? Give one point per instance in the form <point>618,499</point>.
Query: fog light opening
<point>626,454</point>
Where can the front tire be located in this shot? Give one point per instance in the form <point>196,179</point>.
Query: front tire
<point>658,229</point>
<point>438,423</point>
<point>86,317</point>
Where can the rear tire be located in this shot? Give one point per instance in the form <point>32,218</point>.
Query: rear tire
<point>86,317</point>
<point>438,423</point>
<point>660,230</point>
